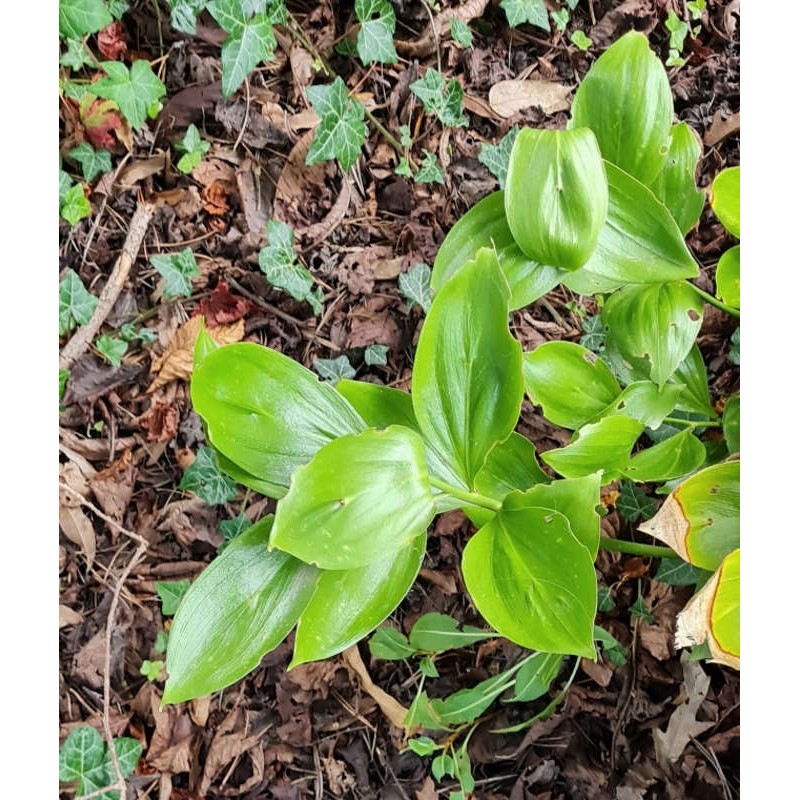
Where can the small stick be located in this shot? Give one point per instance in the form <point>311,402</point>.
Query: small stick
<point>130,249</point>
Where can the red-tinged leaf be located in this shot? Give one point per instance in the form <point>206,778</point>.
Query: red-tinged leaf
<point>99,118</point>
<point>221,307</point>
<point>112,41</point>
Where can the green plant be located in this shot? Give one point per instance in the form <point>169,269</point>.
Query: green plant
<point>193,148</point>
<point>360,470</point>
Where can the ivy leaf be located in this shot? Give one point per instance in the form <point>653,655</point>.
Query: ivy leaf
<point>375,40</point>
<point>605,601</point>
<point>193,148</point>
<point>677,31</point>
<point>460,32</point>
<point>76,56</point>
<point>334,369</point>
<point>341,132</point>
<point>405,136</point>
<point>581,40</point>
<point>93,162</point>
<point>594,335</point>
<point>171,594</point>
<point>206,479</point>
<point>403,168</point>
<point>533,12</point>
<point>64,185</point>
<point>75,304</point>
<point>177,270</point>
<point>441,98</point>
<point>633,504</point>
<point>111,348</point>
<point>118,8</point>
<point>495,156</point>
<point>639,610</point>
<point>416,286</point>
<point>75,206</point>
<point>135,91</point>
<point>183,15</point>
<point>560,18</point>
<point>76,18</point>
<point>375,354</point>
<point>677,572</point>
<point>429,171</point>
<point>231,528</point>
<point>733,353</point>
<point>278,262</point>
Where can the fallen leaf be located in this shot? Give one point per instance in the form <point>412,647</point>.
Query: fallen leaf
<point>601,674</point>
<point>161,422</point>
<point>340,781</point>
<point>221,307</point>
<point>68,616</point>
<point>78,528</point>
<point>302,64</point>
<point>89,662</point>
<point>111,41</point>
<point>508,97</point>
<point>256,184</point>
<point>427,791</point>
<point>393,711</point>
<point>721,128</point>
<point>143,168</point>
<point>113,486</point>
<point>172,745</point>
<point>216,199</point>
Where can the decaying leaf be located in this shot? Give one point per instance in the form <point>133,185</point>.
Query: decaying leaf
<point>508,97</point>
<point>77,527</point>
<point>223,308</point>
<point>395,712</point>
<point>113,486</point>
<point>68,616</point>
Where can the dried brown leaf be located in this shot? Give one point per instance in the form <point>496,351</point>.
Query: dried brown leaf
<point>78,528</point>
<point>143,168</point>
<point>395,712</point>
<point>173,745</point>
<point>89,661</point>
<point>113,486</point>
<point>508,97</point>
<point>68,616</point>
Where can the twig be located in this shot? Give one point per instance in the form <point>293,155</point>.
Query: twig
<point>130,249</point>
<point>246,116</point>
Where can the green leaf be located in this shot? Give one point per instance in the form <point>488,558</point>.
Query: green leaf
<point>677,30</point>
<point>633,504</point>
<point>460,33</point>
<point>612,649</point>
<point>134,91</point>
<point>64,184</point>
<point>416,286</point>
<point>160,644</point>
<point>430,171</point>
<point>495,156</point>
<point>375,354</point>
<point>594,337</point>
<point>569,382</point>
<point>183,15</point>
<point>442,765</point>
<point>677,572</point>
<point>639,610</point>
<point>423,746</point>
<point>625,98</point>
<point>440,97</point>
<point>127,751</point>
<point>378,406</point>
<point>605,600</point>
<point>733,354</point>
<point>731,423</point>
<point>556,199</point>
<point>77,18</point>
<point>171,594</point>
<point>265,412</point>
<point>676,456</point>
<point>467,704</point>
<point>177,270</point>
<point>333,518</point>
<point>75,206</point>
<point>640,242</point>
<point>151,669</point>
<point>535,676</point>
<point>645,402</point>
<point>725,199</point>
<point>675,186</point>
<point>724,627</point>
<point>485,225</point>
<point>334,369</point>
<point>92,161</point>
<point>728,277</point>
<point>696,8</point>
<point>231,528</point>
<point>403,168</point>
<point>75,304</point>
<point>653,327</point>
<point>77,55</point>
<point>427,667</point>
<point>193,148</point>
<point>341,132</point>
<point>692,375</point>
<point>83,751</point>
<point>467,388</point>
<point>375,42</point>
<point>580,40</point>
<point>435,633</point>
<point>389,644</point>
<point>241,607</point>
<point>533,581</point>
<point>206,480</point>
<point>530,11</point>
<point>604,445</point>
<point>63,377</point>
<point>348,604</point>
<point>278,262</point>
<point>560,18</point>
<point>111,348</point>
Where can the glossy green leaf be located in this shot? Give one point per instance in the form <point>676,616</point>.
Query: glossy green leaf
<point>569,382</point>
<point>441,97</point>
<point>535,676</point>
<point>389,644</point>
<point>265,412</point>
<point>134,90</point>
<point>335,518</point>
<point>728,277</point>
<point>725,199</point>
<point>241,607</point>
<point>349,604</point>
<point>645,402</point>
<point>725,609</point>
<point>676,186</point>
<point>640,242</point>
<point>691,373</point>
<point>533,581</point>
<point>435,633</point>
<point>605,445</point>
<point>576,498</point>
<point>379,406</point>
<point>556,195</point>
<point>485,225</point>
<point>467,385</point>
<point>678,455</point>
<point>625,98</point>
<point>700,518</point>
<point>267,488</point>
<point>731,423</point>
<point>467,705</point>
<point>653,327</point>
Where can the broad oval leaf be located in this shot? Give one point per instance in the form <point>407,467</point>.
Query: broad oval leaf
<point>731,423</point>
<point>676,456</point>
<point>605,445</point>
<point>625,98</point>
<point>435,633</point>
<point>675,186</point>
<point>691,373</point>
<point>533,581</point>
<point>266,413</point>
<point>700,518</point>
<point>645,402</point>
<point>725,199</point>
<point>728,277</point>
<point>360,498</point>
<point>485,225</point>
<point>535,676</point>
<point>348,604</point>
<point>467,383</point>
<point>653,327</point>
<point>556,195</point>
<point>242,606</point>
<point>571,383</point>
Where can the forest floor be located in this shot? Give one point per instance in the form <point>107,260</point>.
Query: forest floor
<point>128,432</point>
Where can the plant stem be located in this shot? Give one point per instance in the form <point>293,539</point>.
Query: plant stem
<point>712,301</point>
<point>468,497</point>
<point>697,423</point>
<point>636,549</point>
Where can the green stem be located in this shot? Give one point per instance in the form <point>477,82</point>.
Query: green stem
<point>636,549</point>
<point>696,423</point>
<point>468,497</point>
<point>712,301</point>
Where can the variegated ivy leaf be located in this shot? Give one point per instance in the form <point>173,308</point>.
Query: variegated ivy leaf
<point>495,156</point>
<point>206,479</point>
<point>375,40</point>
<point>416,286</point>
<point>177,270</point>
<point>341,132</point>
<point>533,12</point>
<point>333,369</point>
<point>440,97</point>
<point>430,171</point>
<point>461,33</point>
